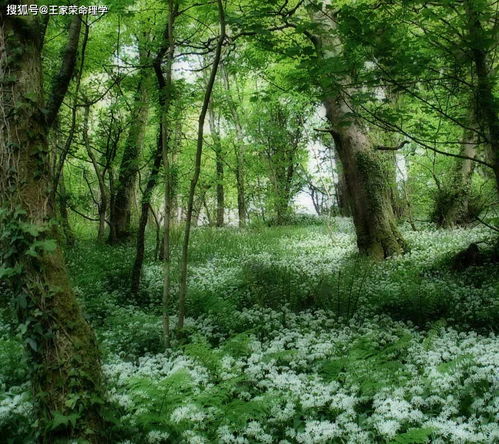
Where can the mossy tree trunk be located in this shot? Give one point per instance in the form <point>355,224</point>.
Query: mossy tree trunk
<point>152,181</point>
<point>367,187</point>
<point>364,169</point>
<point>453,200</point>
<point>119,222</point>
<point>481,44</point>
<point>162,153</point>
<point>65,367</point>
<point>58,91</point>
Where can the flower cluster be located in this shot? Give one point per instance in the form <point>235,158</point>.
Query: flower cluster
<point>308,379</point>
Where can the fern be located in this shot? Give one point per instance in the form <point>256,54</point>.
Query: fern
<point>206,356</point>
<point>368,365</point>
<point>451,366</point>
<point>238,345</point>
<point>281,357</point>
<point>239,412</point>
<point>414,436</point>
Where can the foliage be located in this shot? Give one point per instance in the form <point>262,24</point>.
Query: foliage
<point>249,371</point>
<point>310,379</point>
<point>384,110</point>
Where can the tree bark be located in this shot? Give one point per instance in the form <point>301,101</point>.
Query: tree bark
<point>65,367</point>
<point>453,205</point>
<point>62,79</point>
<point>485,101</point>
<point>373,217</point>
<point>144,214</point>
<point>119,222</point>
<point>342,196</point>
<point>370,200</point>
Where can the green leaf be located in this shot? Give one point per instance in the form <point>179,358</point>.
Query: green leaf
<point>448,367</point>
<point>60,419</point>
<point>413,436</point>
<point>47,245</point>
<point>8,272</point>
<point>32,343</point>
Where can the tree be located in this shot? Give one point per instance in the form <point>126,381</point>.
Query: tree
<point>165,86</point>
<point>60,343</point>
<point>481,42</point>
<point>239,150</point>
<point>120,214</point>
<point>219,164</point>
<point>101,169</point>
<point>184,261</point>
<point>453,203</point>
<point>280,132</point>
<point>375,224</point>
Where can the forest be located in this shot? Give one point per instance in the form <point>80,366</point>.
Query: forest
<point>249,221</point>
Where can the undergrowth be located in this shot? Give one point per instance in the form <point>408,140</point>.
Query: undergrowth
<point>291,337</point>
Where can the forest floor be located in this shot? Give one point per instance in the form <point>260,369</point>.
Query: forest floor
<point>290,338</point>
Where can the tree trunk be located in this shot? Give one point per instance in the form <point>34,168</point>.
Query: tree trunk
<point>370,202</point>
<point>162,143</point>
<point>62,79</point>
<point>219,166</point>
<point>59,161</point>
<point>121,209</point>
<point>280,152</point>
<point>65,367</point>
<point>158,243</point>
<point>239,155</point>
<point>184,262</point>
<point>207,211</point>
<point>485,101</point>
<point>453,200</point>
<point>100,172</point>
<point>63,214</point>
<point>342,196</point>
<point>283,176</point>
<point>165,84</point>
<point>341,192</point>
<point>241,192</point>
<point>220,191</point>
<point>168,200</point>
<point>144,213</point>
